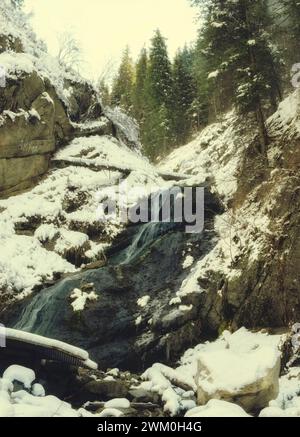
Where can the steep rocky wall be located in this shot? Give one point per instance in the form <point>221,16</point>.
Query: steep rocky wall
<point>34,121</point>
<point>37,117</point>
<point>268,293</point>
<point>27,125</point>
<point>251,278</point>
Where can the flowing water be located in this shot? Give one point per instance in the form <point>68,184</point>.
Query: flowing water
<point>43,310</point>
<point>145,261</point>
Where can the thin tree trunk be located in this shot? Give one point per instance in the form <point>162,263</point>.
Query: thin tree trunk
<point>263,134</point>
<point>273,101</point>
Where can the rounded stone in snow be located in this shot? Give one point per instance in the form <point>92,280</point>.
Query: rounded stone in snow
<point>21,374</point>
<point>117,403</point>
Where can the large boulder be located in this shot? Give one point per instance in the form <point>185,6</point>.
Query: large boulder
<point>247,375</point>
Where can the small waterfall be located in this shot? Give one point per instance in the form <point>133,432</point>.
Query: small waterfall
<point>43,314</point>
<point>146,236</point>
<point>44,308</point>
<point>148,233</point>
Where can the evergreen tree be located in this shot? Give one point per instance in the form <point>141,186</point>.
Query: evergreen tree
<point>157,129</point>
<point>104,93</point>
<point>160,72</point>
<point>140,88</point>
<point>184,95</point>
<point>122,88</point>
<point>288,12</point>
<point>243,67</point>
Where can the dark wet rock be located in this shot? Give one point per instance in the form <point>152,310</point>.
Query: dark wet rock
<point>114,328</point>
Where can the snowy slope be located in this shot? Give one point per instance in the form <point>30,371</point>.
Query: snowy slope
<point>217,155</point>
<point>40,227</point>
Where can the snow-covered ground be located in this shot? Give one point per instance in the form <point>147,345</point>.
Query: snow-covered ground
<point>32,401</point>
<point>215,155</point>
<point>252,353</point>
<point>61,211</point>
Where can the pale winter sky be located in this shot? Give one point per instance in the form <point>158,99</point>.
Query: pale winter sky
<point>105,27</point>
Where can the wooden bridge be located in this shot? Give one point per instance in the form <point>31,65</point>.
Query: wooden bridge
<point>22,347</point>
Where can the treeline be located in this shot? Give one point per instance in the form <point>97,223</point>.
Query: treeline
<point>242,57</point>
<point>158,93</point>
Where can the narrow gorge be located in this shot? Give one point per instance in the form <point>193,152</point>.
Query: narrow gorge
<point>153,307</point>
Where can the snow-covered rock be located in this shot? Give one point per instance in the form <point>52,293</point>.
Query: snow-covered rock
<point>70,198</point>
<point>24,404</point>
<point>21,374</point>
<point>215,154</point>
<point>118,403</point>
<point>111,412</point>
<point>247,374</point>
<point>217,408</point>
<point>241,368</point>
<point>287,403</point>
<point>253,234</point>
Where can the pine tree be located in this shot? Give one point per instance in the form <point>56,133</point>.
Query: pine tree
<point>212,54</point>
<point>288,15</point>
<point>157,132</point>
<point>160,71</point>
<point>184,95</point>
<point>140,88</point>
<point>122,88</point>
<point>240,61</point>
<point>104,93</point>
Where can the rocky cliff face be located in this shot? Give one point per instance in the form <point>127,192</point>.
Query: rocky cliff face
<point>251,278</point>
<point>41,105</point>
<point>155,290</point>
